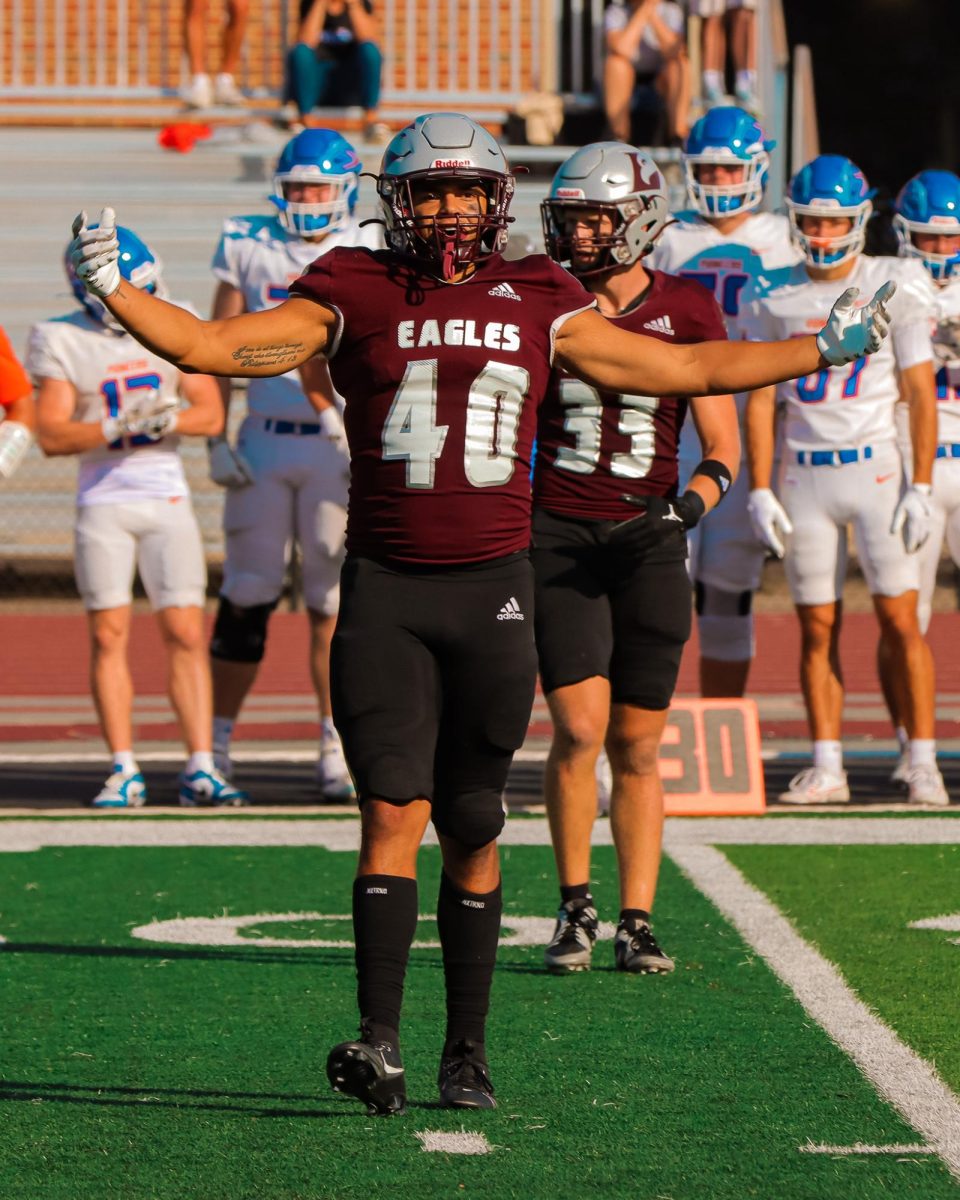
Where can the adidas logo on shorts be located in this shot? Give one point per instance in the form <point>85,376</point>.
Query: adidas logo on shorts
<point>660,325</point>
<point>510,611</point>
<point>504,291</point>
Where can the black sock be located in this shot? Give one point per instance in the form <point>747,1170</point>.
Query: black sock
<point>384,922</point>
<point>576,891</point>
<point>635,914</point>
<point>469,926</point>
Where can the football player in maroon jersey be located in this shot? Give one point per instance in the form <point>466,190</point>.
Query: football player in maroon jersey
<point>612,594</point>
<point>443,352</point>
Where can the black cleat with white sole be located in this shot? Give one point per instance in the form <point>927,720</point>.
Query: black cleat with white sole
<point>571,946</point>
<point>464,1078</point>
<point>372,1072</point>
<point>637,951</point>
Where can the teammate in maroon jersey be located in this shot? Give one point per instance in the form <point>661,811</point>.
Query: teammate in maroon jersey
<point>612,592</point>
<point>443,352</point>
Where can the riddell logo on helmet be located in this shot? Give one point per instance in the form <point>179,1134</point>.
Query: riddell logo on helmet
<point>570,194</point>
<point>451,162</point>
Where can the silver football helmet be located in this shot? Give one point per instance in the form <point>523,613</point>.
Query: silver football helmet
<point>437,146</point>
<point>617,179</point>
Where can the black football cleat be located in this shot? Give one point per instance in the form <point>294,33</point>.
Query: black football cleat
<point>464,1080</point>
<point>372,1072</point>
<point>637,951</point>
<point>571,946</point>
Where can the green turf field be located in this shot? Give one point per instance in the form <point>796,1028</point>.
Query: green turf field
<point>150,1071</point>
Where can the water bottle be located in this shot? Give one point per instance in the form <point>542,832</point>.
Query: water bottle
<point>15,440</point>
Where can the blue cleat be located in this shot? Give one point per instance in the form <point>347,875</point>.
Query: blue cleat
<point>123,789</point>
<point>209,789</point>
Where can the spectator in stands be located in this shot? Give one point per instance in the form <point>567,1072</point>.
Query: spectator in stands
<point>741,18</point>
<point>16,405</point>
<point>336,62</point>
<point>646,50</point>
<point>201,93</point>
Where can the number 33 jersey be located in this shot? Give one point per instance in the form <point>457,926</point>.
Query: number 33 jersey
<point>593,447</point>
<point>442,384</point>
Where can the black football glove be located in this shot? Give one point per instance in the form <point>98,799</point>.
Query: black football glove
<point>657,520</point>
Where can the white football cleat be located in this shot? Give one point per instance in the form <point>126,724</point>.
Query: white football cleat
<point>816,785</point>
<point>225,91</point>
<point>925,786</point>
<point>123,789</point>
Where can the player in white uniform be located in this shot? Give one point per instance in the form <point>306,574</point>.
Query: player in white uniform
<point>732,249</point>
<point>102,396</point>
<point>927,223</point>
<point>841,467</point>
<point>287,477</point>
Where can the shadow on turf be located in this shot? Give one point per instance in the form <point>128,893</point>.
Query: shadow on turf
<point>27,1092</point>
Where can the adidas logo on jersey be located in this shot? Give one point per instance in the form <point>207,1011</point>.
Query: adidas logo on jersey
<point>510,611</point>
<point>660,325</point>
<point>504,291</point>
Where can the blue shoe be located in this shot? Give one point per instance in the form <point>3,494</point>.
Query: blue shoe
<point>123,789</point>
<point>209,789</point>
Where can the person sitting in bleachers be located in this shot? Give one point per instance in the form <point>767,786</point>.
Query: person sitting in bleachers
<point>646,59</point>
<point>336,62</point>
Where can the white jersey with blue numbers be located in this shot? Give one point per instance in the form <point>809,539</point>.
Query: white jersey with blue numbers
<point>946,353</point>
<point>734,266</point>
<point>848,407</point>
<point>258,257</point>
<point>106,370</point>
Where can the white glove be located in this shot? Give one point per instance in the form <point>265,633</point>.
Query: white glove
<point>850,332</point>
<point>331,427</point>
<point>95,253</point>
<point>769,520</point>
<point>228,467</point>
<point>912,517</point>
<point>15,440</point>
<point>146,413</point>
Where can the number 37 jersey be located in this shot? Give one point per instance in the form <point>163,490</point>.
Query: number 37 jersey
<point>442,385</point>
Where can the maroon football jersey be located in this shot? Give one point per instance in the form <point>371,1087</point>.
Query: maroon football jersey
<point>593,447</point>
<point>442,385</point>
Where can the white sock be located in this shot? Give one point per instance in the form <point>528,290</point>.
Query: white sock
<point>123,760</point>
<point>222,732</point>
<point>902,738</point>
<point>923,752</point>
<point>199,760</point>
<point>713,81</point>
<point>828,755</point>
<point>746,81</point>
<point>328,731</point>
<point>201,78</point>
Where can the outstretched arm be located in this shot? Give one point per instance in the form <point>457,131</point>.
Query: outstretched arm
<point>270,342</point>
<point>614,360</point>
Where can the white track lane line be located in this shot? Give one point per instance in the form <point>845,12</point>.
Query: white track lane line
<point>911,1085</point>
<point>861,1148</point>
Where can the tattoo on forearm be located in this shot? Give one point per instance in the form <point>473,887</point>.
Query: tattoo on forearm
<point>280,355</point>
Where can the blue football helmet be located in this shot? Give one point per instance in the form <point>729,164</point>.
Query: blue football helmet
<point>138,265</point>
<point>319,156</point>
<point>727,136</point>
<point>829,186</point>
<point>930,203</point>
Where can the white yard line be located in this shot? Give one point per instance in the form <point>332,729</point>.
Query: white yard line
<point>861,1148</point>
<point>901,1077</point>
<point>463,1142</point>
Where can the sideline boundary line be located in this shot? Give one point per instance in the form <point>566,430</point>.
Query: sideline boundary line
<point>901,1077</point>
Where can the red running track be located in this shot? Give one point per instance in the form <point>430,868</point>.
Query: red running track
<point>47,655</point>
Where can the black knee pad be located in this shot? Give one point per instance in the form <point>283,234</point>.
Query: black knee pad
<point>715,602</point>
<point>473,820</point>
<point>240,634</point>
